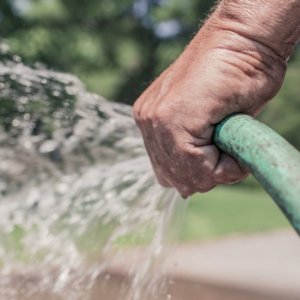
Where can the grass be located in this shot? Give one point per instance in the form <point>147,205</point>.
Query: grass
<point>227,211</point>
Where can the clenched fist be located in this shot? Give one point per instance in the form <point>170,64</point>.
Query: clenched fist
<point>221,72</point>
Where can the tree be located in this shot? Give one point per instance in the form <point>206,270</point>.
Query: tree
<point>116,47</point>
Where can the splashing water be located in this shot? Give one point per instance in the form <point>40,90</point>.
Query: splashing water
<point>76,184</point>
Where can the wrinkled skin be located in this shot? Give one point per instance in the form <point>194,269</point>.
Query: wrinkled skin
<point>220,73</point>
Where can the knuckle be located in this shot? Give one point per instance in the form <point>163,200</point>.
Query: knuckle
<point>162,113</point>
<point>137,109</point>
<point>141,109</point>
<point>186,158</point>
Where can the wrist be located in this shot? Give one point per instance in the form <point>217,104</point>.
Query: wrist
<point>272,24</point>
<point>230,45</point>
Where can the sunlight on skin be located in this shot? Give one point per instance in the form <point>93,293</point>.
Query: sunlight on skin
<point>235,63</point>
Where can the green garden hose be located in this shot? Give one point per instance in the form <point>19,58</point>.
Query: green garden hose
<point>270,158</point>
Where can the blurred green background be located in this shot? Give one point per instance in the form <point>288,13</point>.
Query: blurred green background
<point>117,47</point>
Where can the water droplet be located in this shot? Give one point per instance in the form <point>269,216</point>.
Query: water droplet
<point>28,90</point>
<point>23,100</point>
<point>56,93</point>
<point>26,116</point>
<point>13,76</point>
<point>4,48</point>
<point>48,146</point>
<point>16,58</point>
<point>16,123</point>
<point>26,83</point>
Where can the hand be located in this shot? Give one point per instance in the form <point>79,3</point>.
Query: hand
<point>219,73</point>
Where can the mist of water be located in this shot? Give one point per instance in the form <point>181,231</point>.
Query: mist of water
<point>76,185</point>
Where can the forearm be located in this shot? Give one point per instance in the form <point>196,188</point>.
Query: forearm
<point>273,23</point>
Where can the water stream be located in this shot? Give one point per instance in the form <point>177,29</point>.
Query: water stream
<point>76,185</point>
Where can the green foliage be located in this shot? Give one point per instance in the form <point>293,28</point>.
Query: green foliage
<point>283,113</point>
<point>113,51</point>
<point>117,52</point>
